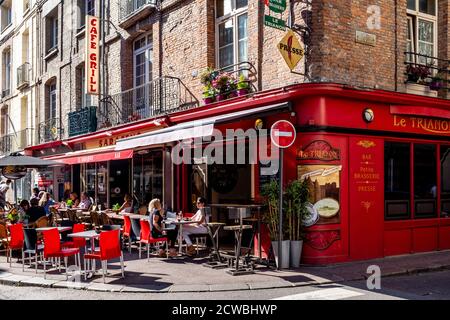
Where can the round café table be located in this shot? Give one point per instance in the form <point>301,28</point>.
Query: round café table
<point>179,223</point>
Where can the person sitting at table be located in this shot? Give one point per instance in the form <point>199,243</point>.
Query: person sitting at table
<point>199,227</point>
<point>34,212</point>
<point>46,201</point>
<point>85,202</point>
<point>23,208</point>
<point>156,219</point>
<point>73,200</point>
<point>35,194</point>
<point>127,206</point>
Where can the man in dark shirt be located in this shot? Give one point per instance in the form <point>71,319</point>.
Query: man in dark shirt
<point>35,211</point>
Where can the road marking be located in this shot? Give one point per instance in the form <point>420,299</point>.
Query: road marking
<point>323,294</point>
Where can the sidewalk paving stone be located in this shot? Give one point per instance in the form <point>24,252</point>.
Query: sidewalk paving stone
<point>105,287</point>
<point>189,288</point>
<point>14,279</point>
<point>38,282</point>
<point>139,288</point>
<point>229,287</point>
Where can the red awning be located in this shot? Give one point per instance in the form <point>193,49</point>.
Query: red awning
<point>89,157</point>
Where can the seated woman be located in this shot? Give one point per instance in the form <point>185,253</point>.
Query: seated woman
<point>198,227</point>
<point>85,202</point>
<point>156,219</point>
<point>127,206</point>
<point>46,201</point>
<point>24,206</point>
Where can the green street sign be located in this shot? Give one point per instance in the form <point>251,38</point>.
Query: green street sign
<point>278,6</point>
<point>274,23</point>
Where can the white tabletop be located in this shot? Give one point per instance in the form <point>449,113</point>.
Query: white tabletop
<point>84,234</point>
<point>179,222</point>
<point>60,229</point>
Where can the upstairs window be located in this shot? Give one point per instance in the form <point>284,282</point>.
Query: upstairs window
<point>231,32</point>
<point>422,31</point>
<point>6,81</point>
<point>86,8</point>
<point>6,14</point>
<point>52,30</point>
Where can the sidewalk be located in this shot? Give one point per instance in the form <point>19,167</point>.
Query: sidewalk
<point>188,275</point>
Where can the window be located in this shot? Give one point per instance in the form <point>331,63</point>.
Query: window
<point>232,32</point>
<point>4,121</point>
<point>6,81</point>
<point>52,100</point>
<point>83,99</point>
<point>143,49</point>
<point>51,24</point>
<point>397,180</point>
<point>87,8</point>
<point>425,181</point>
<point>420,158</point>
<point>6,14</point>
<point>422,30</point>
<point>445,181</point>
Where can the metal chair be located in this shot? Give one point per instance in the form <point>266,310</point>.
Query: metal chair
<point>31,247</point>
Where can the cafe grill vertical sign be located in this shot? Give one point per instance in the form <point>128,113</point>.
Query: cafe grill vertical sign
<point>92,55</point>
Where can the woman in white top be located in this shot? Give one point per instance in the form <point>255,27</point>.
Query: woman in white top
<point>195,228</point>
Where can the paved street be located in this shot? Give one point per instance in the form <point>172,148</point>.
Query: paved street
<point>432,285</point>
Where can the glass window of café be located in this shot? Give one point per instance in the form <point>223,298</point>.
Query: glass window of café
<point>445,181</point>
<point>147,176</point>
<point>398,179</point>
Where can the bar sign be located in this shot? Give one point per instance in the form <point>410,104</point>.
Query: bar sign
<point>274,23</point>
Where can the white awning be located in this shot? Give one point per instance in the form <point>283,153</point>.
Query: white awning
<point>188,130</point>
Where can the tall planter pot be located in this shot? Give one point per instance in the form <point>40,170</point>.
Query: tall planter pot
<point>285,253</point>
<point>296,253</point>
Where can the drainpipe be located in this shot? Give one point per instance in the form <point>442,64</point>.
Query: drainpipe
<point>396,46</point>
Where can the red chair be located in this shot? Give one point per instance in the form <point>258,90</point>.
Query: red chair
<point>53,249</point>
<point>146,238</point>
<point>16,241</point>
<point>76,242</point>
<point>126,231</point>
<point>109,249</point>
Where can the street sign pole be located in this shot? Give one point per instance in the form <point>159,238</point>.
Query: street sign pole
<point>280,211</point>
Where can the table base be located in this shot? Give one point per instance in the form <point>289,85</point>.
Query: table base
<point>215,265</point>
<point>240,271</point>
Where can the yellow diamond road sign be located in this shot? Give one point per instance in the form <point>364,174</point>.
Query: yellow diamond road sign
<point>291,49</point>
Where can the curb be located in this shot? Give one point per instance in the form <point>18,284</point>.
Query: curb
<point>33,281</point>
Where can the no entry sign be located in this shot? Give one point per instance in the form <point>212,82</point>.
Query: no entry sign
<point>282,134</point>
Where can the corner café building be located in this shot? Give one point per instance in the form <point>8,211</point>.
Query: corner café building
<point>377,164</point>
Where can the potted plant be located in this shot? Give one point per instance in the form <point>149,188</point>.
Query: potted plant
<point>207,76</point>
<point>222,85</point>
<point>243,86</point>
<point>270,192</point>
<point>437,82</point>
<point>208,94</point>
<point>417,72</point>
<point>296,196</point>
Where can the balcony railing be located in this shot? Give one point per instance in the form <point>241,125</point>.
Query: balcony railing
<point>24,138</point>
<point>229,82</point>
<point>133,9</point>
<point>49,130</point>
<point>83,121</point>
<point>428,71</point>
<point>161,96</point>
<point>23,76</point>
<point>6,144</point>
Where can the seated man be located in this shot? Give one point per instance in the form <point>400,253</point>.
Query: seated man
<point>35,211</point>
<point>196,228</point>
